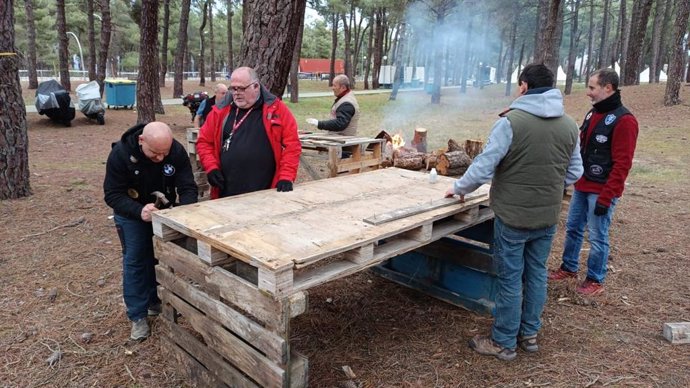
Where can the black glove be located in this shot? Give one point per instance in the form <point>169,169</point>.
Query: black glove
<point>284,186</point>
<point>215,178</point>
<point>600,210</point>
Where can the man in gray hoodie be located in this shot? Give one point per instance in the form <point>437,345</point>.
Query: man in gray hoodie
<point>532,153</point>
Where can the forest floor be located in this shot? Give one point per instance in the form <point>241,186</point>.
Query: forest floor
<point>61,287</point>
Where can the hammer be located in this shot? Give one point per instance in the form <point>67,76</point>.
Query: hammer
<point>161,200</point>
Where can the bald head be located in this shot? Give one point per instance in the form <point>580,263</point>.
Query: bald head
<point>245,88</point>
<point>342,80</point>
<point>156,140</point>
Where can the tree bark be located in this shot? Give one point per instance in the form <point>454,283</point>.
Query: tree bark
<point>511,49</point>
<point>625,37</point>
<point>663,47</point>
<point>104,43</point>
<point>91,34</point>
<point>453,163</point>
<point>63,42</point>
<point>212,68</point>
<point>410,161</point>
<point>466,65</point>
<point>181,50</point>
<point>270,54</point>
<point>294,67</point>
<point>370,50</point>
<point>231,62</point>
<point>677,65</point>
<point>202,43</point>
<point>14,140</point>
<point>638,29</point>
<point>147,82</point>
<point>604,36</point>
<point>379,15</point>
<point>473,147</point>
<point>656,41</point>
<point>31,36</point>
<point>399,77</point>
<point>334,47</point>
<point>164,44</point>
<point>550,42</point>
<point>572,49</point>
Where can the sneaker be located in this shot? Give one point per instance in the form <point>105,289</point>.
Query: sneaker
<point>155,310</point>
<point>528,343</point>
<point>561,274</point>
<point>140,330</point>
<point>590,288</point>
<point>483,344</point>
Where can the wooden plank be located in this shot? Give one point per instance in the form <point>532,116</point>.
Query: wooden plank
<point>181,261</point>
<point>165,232</point>
<point>299,370</point>
<point>275,282</point>
<point>397,214</point>
<point>677,332</point>
<point>191,352</point>
<point>189,367</point>
<point>272,345</point>
<point>361,254</point>
<point>211,255</point>
<point>245,358</point>
<point>250,299</point>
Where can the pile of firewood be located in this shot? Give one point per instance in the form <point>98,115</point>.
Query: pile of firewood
<point>451,161</point>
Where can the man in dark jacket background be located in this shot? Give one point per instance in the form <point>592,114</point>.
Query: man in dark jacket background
<point>146,160</point>
<point>344,112</point>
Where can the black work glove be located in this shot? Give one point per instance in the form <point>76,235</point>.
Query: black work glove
<point>215,178</point>
<point>284,186</point>
<point>600,210</point>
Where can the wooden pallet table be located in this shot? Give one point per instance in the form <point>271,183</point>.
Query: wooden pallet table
<point>346,154</point>
<point>234,271</point>
<point>199,173</point>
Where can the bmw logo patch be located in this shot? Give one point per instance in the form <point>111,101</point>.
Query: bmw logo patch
<point>588,116</point>
<point>168,170</point>
<point>609,119</point>
<point>601,138</point>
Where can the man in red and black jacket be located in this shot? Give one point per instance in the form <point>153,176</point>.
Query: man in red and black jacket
<point>249,141</point>
<point>608,137</point>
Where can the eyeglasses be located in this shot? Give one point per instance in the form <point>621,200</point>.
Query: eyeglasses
<point>241,89</point>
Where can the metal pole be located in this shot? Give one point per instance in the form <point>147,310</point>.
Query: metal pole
<point>81,55</point>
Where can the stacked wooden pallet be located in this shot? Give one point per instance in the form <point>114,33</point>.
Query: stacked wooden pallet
<point>346,154</point>
<point>199,174</point>
<point>238,269</point>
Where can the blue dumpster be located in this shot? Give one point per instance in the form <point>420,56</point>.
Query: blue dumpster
<point>120,93</point>
<point>429,88</point>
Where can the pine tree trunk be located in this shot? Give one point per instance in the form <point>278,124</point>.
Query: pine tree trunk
<point>550,43</point>
<point>231,62</point>
<point>511,49</point>
<point>202,48</point>
<point>164,43</point>
<point>14,140</point>
<point>656,41</point>
<point>270,54</point>
<point>104,43</point>
<point>638,29</point>
<point>399,77</point>
<point>334,47</point>
<point>625,36</point>
<point>147,82</point>
<point>91,33</point>
<point>378,47</point>
<point>63,59</point>
<point>438,58</point>
<point>181,50</point>
<point>603,43</point>
<point>370,50</point>
<point>31,36</point>
<point>663,47</point>
<point>590,38</point>
<point>570,71</point>
<point>677,65</point>
<point>212,69</point>
<point>294,67</point>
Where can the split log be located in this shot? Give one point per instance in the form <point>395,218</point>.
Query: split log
<point>410,161</point>
<point>430,160</point>
<point>473,147</point>
<point>419,140</point>
<point>454,146</point>
<point>453,163</point>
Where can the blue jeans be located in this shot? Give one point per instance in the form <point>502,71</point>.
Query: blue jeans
<point>520,256</point>
<point>138,266</point>
<point>581,214</point>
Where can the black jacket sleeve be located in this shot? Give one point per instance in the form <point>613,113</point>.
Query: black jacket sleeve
<point>115,186</point>
<point>343,115</point>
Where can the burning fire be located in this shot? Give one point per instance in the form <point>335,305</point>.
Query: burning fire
<point>398,141</point>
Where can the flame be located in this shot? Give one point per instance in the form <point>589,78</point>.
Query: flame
<point>398,141</point>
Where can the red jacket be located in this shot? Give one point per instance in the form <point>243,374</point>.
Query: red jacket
<point>622,152</point>
<point>281,129</point>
